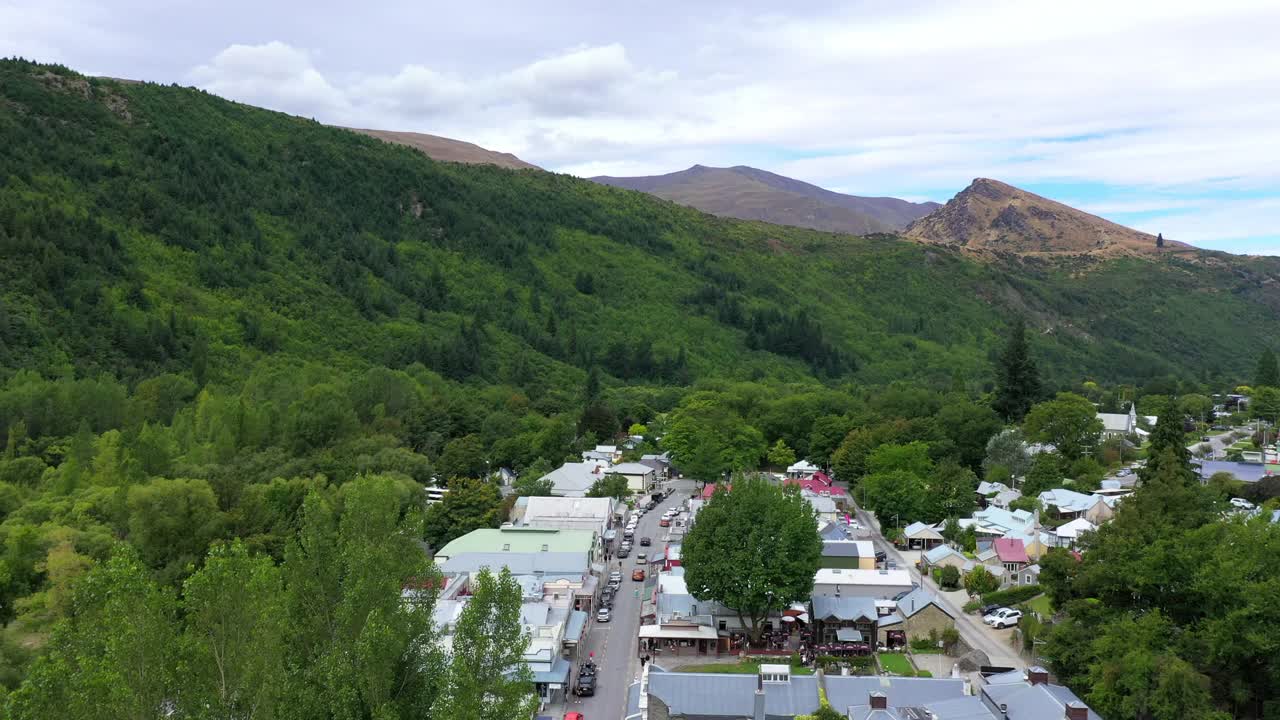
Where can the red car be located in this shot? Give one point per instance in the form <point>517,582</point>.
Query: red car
<point>573,716</point>
<point>664,523</point>
<point>637,575</point>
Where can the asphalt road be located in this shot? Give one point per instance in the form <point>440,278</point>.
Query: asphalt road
<point>977,635</point>
<point>614,643</point>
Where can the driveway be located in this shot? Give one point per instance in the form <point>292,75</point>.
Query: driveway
<point>615,643</point>
<point>995,643</point>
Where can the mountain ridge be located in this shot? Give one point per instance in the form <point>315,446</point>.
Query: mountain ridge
<point>446,149</point>
<point>990,215</point>
<point>749,193</point>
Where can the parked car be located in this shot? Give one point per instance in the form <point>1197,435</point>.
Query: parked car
<point>630,531</point>
<point>586,686</point>
<point>986,610</point>
<point>638,575</point>
<point>602,615</point>
<point>1241,503</point>
<point>573,716</point>
<point>641,558</point>
<point>664,522</point>
<point>624,551</point>
<point>645,542</point>
<point>1003,618</point>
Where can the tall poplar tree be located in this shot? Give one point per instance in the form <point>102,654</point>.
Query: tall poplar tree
<point>1017,378</point>
<point>1268,372</point>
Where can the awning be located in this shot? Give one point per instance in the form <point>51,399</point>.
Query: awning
<point>573,630</point>
<point>848,635</point>
<point>659,632</point>
<point>559,672</point>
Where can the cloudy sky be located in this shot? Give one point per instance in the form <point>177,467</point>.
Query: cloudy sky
<point>1161,115</point>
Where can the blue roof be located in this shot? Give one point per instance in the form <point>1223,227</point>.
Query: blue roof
<point>1244,472</point>
<point>844,608</point>
<point>940,553</point>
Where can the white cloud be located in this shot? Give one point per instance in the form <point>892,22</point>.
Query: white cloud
<point>274,75</point>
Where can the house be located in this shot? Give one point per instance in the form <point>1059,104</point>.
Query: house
<point>829,530</point>
<point>920,536</point>
<point>987,490</point>
<point>518,540</point>
<point>852,554</point>
<point>575,479</point>
<point>917,615</point>
<point>710,489</point>
<point>640,477</point>
<point>661,465</point>
<point>1030,575</point>
<point>1026,695</point>
<point>824,507</point>
<point>565,513</point>
<point>671,556</point>
<point>943,556</point>
<point>1069,505</point>
<point>820,483</point>
<point>1011,555</point>
<point>841,582</point>
<point>603,453</point>
<point>803,468</point>
<point>1068,534</point>
<point>832,614</point>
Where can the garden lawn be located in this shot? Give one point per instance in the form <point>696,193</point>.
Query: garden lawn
<point>1040,604</point>
<point>897,663</point>
<point>746,667</point>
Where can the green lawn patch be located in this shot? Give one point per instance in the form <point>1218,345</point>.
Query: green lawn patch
<point>897,663</point>
<point>923,673</point>
<point>1040,604</point>
<point>745,667</point>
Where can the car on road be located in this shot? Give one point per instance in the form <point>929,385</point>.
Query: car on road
<point>1122,472</point>
<point>641,558</point>
<point>602,615</point>
<point>645,542</point>
<point>664,522</point>
<point>1003,618</point>
<point>624,551</point>
<point>628,532</point>
<point>638,575</point>
<point>586,686</point>
<point>573,716</point>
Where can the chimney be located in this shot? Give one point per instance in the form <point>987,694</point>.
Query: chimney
<point>1037,675</point>
<point>1077,710</point>
<point>879,701</point>
<point>758,710</point>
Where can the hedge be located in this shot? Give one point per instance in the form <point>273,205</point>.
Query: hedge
<point>1012,596</point>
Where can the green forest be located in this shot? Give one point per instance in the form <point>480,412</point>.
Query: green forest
<point>235,345</point>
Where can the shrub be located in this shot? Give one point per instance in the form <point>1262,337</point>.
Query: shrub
<point>950,577</point>
<point>1012,596</point>
<point>980,581</point>
<point>950,638</point>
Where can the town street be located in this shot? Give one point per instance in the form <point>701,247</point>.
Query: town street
<point>971,629</point>
<point>614,643</point>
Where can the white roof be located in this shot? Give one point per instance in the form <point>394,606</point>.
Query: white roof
<point>846,576</point>
<point>692,632</point>
<point>672,584</point>
<point>803,466</point>
<point>631,469</point>
<point>1074,528</point>
<point>1115,422</point>
<point>575,479</point>
<point>568,507</point>
<point>1068,499</point>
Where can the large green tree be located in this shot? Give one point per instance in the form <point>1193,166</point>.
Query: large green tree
<point>1267,373</point>
<point>470,504</point>
<point>486,677</point>
<point>707,438</point>
<point>754,549</point>
<point>1017,377</point>
<point>611,485</point>
<point>1069,422</point>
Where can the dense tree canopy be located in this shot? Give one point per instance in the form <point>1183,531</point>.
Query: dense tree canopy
<point>755,549</point>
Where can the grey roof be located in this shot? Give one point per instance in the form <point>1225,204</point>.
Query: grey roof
<point>833,531</point>
<point>1244,472</point>
<point>848,635</point>
<point>851,691</point>
<point>1031,702</point>
<point>631,468</point>
<point>708,696</point>
<point>844,608</point>
<point>917,600</point>
<point>961,708</point>
<point>840,548</point>
<point>559,672</point>
<point>548,563</point>
<point>573,629</point>
<point>890,619</point>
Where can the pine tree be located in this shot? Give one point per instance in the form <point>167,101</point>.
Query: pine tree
<point>1268,372</point>
<point>1160,240</point>
<point>1018,380</point>
<point>1167,453</point>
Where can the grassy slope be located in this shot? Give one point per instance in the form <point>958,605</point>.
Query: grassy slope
<point>258,233</point>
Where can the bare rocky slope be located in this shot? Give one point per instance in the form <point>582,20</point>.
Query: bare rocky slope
<point>449,150</point>
<point>752,194</point>
<point>992,216</point>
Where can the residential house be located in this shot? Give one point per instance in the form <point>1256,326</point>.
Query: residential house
<point>801,469</point>
<point>917,615</point>
<point>565,513</point>
<point>820,483</point>
<point>1012,556</point>
<point>575,479</point>
<point>641,478</point>
<point>1030,575</point>
<point>661,465</point>
<point>1068,534</point>
<point>943,556</point>
<point>842,582</point>
<point>852,554</point>
<point>1068,505</point>
<point>832,530</point>
<point>603,453</point>
<point>824,507</point>
<point>921,536</point>
<point>1026,695</point>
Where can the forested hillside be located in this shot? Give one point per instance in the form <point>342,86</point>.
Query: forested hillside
<point>213,318</point>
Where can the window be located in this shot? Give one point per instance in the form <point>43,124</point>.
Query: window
<point>722,625</point>
<point>506,547</point>
<point>1028,580</point>
<point>544,548</point>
